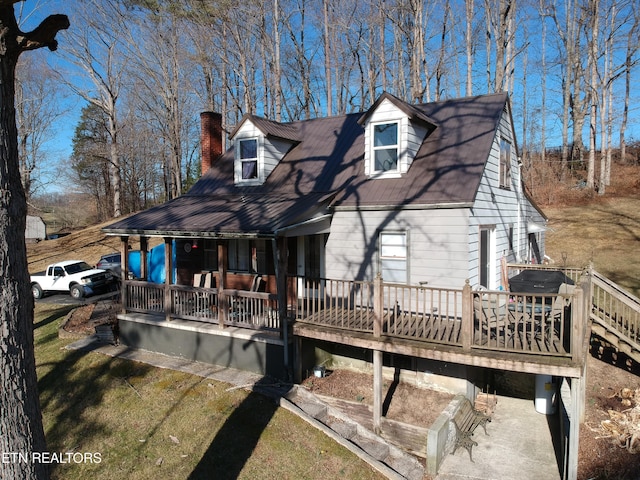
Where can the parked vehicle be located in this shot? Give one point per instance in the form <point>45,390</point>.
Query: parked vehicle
<point>73,276</point>
<point>111,262</point>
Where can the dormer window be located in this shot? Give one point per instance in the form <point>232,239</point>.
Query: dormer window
<point>249,158</point>
<point>393,134</point>
<point>259,146</point>
<point>385,147</point>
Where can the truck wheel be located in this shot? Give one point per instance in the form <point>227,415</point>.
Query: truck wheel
<point>37,291</point>
<point>76,292</point>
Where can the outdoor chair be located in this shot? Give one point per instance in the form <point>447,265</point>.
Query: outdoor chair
<point>489,317</point>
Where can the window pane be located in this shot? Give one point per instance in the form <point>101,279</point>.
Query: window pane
<point>393,257</point>
<point>249,169</point>
<point>386,159</point>
<point>385,134</point>
<point>248,148</point>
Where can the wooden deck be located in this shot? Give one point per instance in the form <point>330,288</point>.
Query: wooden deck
<point>521,335</point>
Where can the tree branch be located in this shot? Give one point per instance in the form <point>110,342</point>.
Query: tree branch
<point>44,34</point>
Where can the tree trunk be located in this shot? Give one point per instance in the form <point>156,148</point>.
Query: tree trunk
<point>21,431</point>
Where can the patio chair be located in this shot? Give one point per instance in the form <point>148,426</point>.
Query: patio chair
<point>203,300</point>
<point>487,316</point>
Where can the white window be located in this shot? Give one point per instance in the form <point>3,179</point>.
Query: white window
<point>248,158</point>
<point>393,257</point>
<point>385,147</point>
<point>505,164</point>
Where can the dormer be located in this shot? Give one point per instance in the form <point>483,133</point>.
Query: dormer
<point>394,131</point>
<point>259,145</point>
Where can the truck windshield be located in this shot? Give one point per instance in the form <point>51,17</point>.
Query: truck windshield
<point>77,267</point>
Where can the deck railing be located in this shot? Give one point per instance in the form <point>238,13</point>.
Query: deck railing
<point>616,310</point>
<point>549,324</point>
<point>255,310</point>
<point>552,324</point>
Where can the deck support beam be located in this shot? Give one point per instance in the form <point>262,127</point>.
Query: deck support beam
<point>377,391</point>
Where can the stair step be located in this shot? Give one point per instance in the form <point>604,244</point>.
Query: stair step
<point>395,458</point>
<point>378,450</point>
<point>345,429</point>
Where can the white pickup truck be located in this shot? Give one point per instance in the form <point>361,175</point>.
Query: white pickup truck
<point>73,276</point>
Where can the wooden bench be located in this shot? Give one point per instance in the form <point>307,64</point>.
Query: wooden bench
<point>466,420</point>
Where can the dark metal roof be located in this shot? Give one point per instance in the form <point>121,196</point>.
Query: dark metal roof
<point>223,215</point>
<point>286,131</point>
<point>324,170</point>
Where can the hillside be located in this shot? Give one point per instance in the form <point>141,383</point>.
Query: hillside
<point>605,232</point>
<point>88,244</point>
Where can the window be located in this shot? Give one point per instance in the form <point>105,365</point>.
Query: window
<point>385,147</point>
<point>249,256</point>
<point>239,259</point>
<point>248,158</point>
<point>393,257</point>
<point>505,164</point>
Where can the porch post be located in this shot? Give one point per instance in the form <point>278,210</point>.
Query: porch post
<point>223,307</point>
<point>124,249</point>
<point>144,250</point>
<point>168,265</point>
<point>280,257</point>
<point>377,391</point>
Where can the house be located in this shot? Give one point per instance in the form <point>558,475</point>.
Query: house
<point>380,239</point>
<point>427,195</point>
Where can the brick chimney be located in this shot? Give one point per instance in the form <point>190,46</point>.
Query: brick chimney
<point>210,138</point>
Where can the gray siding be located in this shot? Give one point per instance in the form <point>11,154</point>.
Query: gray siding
<point>437,244</point>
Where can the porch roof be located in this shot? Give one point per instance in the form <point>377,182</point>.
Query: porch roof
<point>224,215</point>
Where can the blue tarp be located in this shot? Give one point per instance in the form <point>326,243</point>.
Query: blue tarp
<point>155,263</point>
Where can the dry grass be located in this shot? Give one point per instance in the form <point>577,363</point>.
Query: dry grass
<point>605,231</point>
<point>87,244</point>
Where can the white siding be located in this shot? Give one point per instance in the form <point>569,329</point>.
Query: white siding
<point>501,208</point>
<point>437,244</point>
<point>270,152</point>
<point>410,137</point>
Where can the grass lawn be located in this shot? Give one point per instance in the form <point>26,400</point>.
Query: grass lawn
<point>130,420</point>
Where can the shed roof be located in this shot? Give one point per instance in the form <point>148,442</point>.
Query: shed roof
<point>324,170</point>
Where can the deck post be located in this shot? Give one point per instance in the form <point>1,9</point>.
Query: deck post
<point>168,267</point>
<point>124,249</point>
<point>378,306</point>
<point>223,301</point>
<point>466,329</point>
<point>377,391</point>
<point>577,397</point>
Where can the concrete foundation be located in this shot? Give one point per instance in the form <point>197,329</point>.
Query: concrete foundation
<point>242,349</point>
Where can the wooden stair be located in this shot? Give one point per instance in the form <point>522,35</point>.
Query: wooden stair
<point>615,316</point>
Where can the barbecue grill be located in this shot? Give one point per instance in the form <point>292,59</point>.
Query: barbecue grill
<point>538,281</point>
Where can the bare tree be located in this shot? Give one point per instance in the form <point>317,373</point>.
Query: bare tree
<point>36,115</point>
<point>97,52</point>
<point>629,63</point>
<point>20,419</point>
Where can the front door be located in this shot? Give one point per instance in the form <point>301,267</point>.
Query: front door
<point>486,260</point>
<point>310,264</point>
